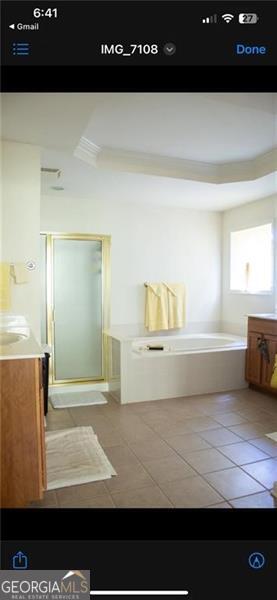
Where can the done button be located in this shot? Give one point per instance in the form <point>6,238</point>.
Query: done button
<point>254,50</point>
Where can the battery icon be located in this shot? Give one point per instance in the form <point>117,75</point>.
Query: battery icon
<point>248,18</point>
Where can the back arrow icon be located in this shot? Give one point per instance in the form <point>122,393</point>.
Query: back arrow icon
<point>12,26</point>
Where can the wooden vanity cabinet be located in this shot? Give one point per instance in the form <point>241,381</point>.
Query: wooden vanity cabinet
<point>23,466</point>
<point>258,369</point>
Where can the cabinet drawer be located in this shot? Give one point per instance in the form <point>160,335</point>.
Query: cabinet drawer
<point>262,326</point>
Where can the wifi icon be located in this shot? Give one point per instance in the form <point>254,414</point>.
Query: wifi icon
<point>228,17</point>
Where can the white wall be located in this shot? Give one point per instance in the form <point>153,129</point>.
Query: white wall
<point>21,224</point>
<point>149,244</point>
<point>236,306</point>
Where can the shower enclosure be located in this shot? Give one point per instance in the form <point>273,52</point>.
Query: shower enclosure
<point>75,304</point>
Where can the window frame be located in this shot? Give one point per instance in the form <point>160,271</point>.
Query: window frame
<point>259,292</point>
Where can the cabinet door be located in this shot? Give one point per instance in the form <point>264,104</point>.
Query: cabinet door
<point>40,426</point>
<point>267,367</point>
<point>253,359</point>
<point>21,455</point>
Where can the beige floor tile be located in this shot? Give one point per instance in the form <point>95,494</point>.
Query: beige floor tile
<point>89,411</point>
<point>186,411</point>
<point>249,394</point>
<point>137,433</point>
<point>224,396</point>
<point>149,497</point>
<point>165,421</point>
<point>243,453</point>
<point>250,431</point>
<point>165,434</point>
<point>172,427</point>
<point>221,505</point>
<point>67,496</point>
<point>266,445</point>
<point>207,461</point>
<point>262,500</point>
<point>233,483</point>
<point>49,501</point>
<point>199,424</point>
<point>220,437</point>
<point>59,419</point>
<point>129,477</point>
<point>108,439</point>
<point>152,449</point>
<point>265,472</point>
<point>58,426</point>
<point>253,414</point>
<point>271,408</point>
<point>123,419</point>
<point>99,423</point>
<point>228,419</point>
<point>57,413</point>
<point>168,469</point>
<point>193,492</point>
<point>142,407</point>
<point>102,501</point>
<point>214,408</point>
<point>188,442</point>
<point>121,455</point>
<point>156,417</point>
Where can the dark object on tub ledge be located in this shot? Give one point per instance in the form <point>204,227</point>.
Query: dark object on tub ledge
<point>155,347</point>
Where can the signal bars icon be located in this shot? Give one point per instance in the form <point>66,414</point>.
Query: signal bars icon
<point>211,19</point>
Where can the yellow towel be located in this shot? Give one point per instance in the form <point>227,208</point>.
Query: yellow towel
<point>5,287</point>
<point>273,381</point>
<point>176,304</point>
<point>20,273</point>
<point>156,307</point>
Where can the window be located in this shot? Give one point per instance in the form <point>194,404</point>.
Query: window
<point>252,260</point>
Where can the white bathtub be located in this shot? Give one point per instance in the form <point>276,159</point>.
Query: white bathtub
<point>187,343</point>
<point>186,365</point>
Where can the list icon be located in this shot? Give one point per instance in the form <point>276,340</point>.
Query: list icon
<point>21,49</point>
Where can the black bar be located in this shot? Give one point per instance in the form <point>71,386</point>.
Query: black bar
<point>77,33</point>
<point>128,79</point>
<point>87,524</point>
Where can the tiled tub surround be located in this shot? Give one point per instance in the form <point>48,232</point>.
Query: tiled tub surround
<point>206,451</point>
<point>190,364</point>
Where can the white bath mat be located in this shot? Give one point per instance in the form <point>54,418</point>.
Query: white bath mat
<point>272,436</point>
<point>74,456</point>
<point>70,399</point>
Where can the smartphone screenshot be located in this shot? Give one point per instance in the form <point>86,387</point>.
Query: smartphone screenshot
<point>138,299</point>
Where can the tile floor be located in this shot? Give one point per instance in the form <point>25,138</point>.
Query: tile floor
<point>196,452</point>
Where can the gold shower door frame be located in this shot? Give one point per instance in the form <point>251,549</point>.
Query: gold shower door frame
<point>106,294</point>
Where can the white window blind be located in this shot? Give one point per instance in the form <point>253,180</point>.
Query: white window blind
<point>252,259</point>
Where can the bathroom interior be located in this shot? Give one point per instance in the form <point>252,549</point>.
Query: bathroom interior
<point>138,308</point>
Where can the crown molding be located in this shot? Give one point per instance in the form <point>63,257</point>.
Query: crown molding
<point>87,151</point>
<point>176,168</point>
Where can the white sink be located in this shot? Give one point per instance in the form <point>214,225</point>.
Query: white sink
<point>13,329</point>
<point>11,337</point>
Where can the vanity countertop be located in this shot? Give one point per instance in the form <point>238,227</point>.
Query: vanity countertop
<point>26,348</point>
<point>265,316</point>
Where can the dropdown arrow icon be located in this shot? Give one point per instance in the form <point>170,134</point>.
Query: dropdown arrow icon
<point>169,49</point>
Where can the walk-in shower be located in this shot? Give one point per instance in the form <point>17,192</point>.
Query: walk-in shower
<point>75,304</point>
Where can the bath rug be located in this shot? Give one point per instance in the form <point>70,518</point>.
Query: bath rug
<point>70,399</point>
<point>74,456</point>
<point>272,436</point>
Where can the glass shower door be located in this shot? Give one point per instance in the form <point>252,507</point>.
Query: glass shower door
<point>43,288</point>
<point>77,309</point>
